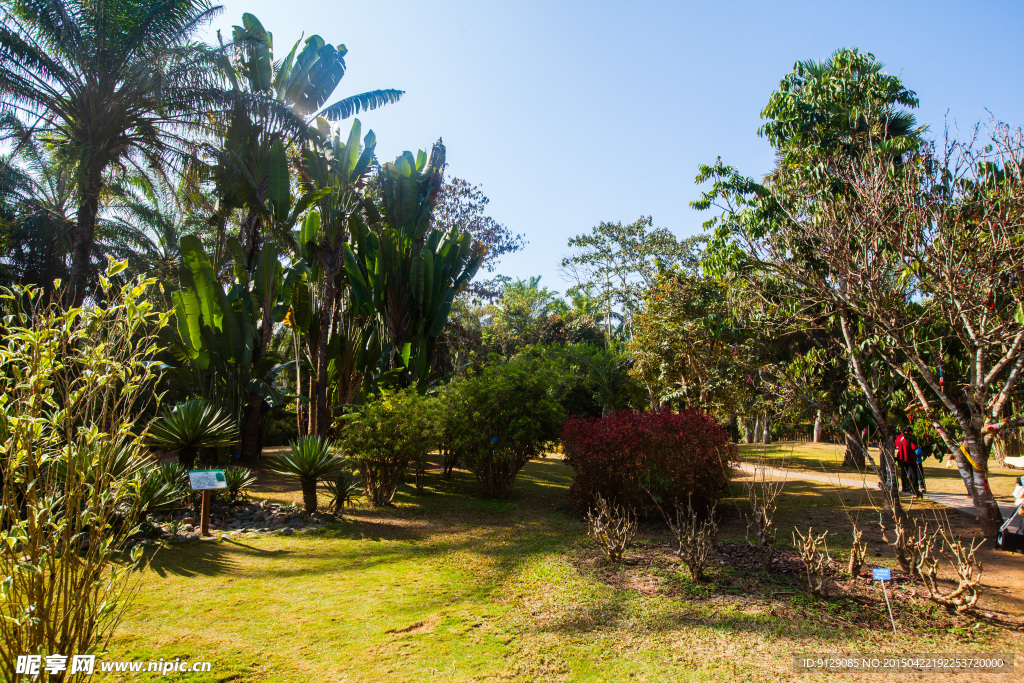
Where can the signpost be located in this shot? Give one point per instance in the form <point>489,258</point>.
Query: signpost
<point>206,481</point>
<point>883,574</point>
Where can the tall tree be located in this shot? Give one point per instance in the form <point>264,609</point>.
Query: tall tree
<point>911,253</point>
<point>463,205</point>
<point>619,263</point>
<point>403,273</point>
<point>114,82</point>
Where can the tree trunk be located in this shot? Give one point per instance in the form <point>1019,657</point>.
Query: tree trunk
<point>90,184</point>
<point>757,428</point>
<point>321,424</point>
<point>309,495</point>
<point>766,434</point>
<point>990,517</point>
<point>817,427</point>
<point>748,436</point>
<point>888,480</point>
<point>854,456</point>
<point>250,445</point>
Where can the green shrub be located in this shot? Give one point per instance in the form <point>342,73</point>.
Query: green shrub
<point>72,385</point>
<point>385,435</point>
<point>154,492</point>
<point>239,480</point>
<point>311,459</point>
<point>500,419</point>
<point>343,487</point>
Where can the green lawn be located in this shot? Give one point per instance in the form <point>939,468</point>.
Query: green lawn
<point>451,587</point>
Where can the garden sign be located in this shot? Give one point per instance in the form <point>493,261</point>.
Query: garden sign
<point>206,481</point>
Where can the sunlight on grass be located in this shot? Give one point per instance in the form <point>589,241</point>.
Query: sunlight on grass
<point>456,587</point>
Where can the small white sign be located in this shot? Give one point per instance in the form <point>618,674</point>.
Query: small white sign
<point>202,480</point>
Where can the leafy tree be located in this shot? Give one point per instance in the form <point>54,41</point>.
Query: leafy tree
<point>385,435</point>
<point>909,251</point>
<point>153,217</point>
<point>521,315</point>
<point>39,190</point>
<point>324,311</point>
<point>114,83</point>
<point>689,347</point>
<point>404,274</point>
<point>617,263</point>
<point>273,105</point>
<point>463,205</point>
<point>501,419</point>
<point>220,332</point>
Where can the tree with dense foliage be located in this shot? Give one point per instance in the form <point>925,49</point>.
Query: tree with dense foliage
<point>521,315</point>
<point>618,263</point>
<point>405,274</point>
<point>114,83</point>
<point>911,250</point>
<point>385,435</point>
<point>501,419</point>
<point>463,205</point>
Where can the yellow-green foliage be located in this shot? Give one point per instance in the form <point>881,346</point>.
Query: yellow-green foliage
<point>385,435</point>
<point>72,385</point>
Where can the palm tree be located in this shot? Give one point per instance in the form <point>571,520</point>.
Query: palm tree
<point>190,427</point>
<point>41,196</point>
<point>152,218</point>
<point>113,82</point>
<point>273,106</point>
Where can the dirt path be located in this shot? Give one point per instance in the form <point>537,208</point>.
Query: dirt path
<point>961,503</point>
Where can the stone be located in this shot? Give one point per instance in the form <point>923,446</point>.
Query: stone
<point>188,520</point>
<point>287,531</point>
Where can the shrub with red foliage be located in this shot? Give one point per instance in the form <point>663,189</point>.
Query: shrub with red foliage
<point>628,454</point>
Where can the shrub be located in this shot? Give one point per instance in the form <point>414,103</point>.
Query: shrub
<point>190,426</point>
<point>343,487</point>
<point>639,459</point>
<point>153,492</point>
<point>500,419</point>
<point>611,527</point>
<point>311,459</point>
<point>72,386</point>
<point>385,435</point>
<point>238,480</point>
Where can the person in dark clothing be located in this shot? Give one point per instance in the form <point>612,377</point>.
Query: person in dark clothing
<point>906,457</point>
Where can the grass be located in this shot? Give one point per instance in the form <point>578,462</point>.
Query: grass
<point>827,458</point>
<point>449,586</point>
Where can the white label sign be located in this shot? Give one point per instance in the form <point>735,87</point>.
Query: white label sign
<point>207,479</point>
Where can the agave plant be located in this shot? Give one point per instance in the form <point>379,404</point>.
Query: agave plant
<point>238,480</point>
<point>343,487</point>
<point>190,426</point>
<point>311,459</point>
<point>152,492</point>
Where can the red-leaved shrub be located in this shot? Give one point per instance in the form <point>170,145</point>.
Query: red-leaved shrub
<point>636,459</point>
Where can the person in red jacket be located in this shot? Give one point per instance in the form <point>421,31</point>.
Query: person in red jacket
<point>906,456</point>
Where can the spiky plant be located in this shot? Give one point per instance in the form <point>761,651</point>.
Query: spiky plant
<point>190,426</point>
<point>238,480</point>
<point>311,459</point>
<point>343,486</point>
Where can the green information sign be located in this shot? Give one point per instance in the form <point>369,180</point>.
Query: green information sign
<point>203,480</point>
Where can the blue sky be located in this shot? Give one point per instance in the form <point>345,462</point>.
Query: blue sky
<point>570,113</point>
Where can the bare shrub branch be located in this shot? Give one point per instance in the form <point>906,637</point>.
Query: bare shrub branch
<point>612,527</point>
